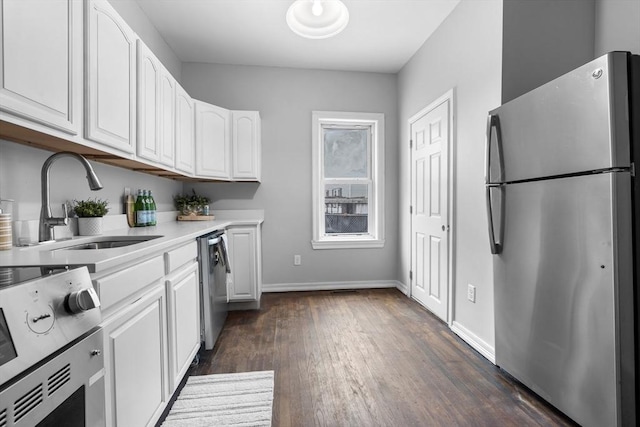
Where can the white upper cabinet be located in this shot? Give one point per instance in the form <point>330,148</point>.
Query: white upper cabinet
<point>75,70</point>
<point>148,122</point>
<point>111,78</point>
<point>167,101</point>
<point>156,109</point>
<point>246,146</point>
<point>41,69</point>
<point>213,133</point>
<point>185,131</point>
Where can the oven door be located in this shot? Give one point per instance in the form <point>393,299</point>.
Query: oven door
<point>66,389</point>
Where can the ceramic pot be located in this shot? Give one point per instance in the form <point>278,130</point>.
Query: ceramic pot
<point>90,226</point>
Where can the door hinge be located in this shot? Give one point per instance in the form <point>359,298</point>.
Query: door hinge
<point>411,143</point>
<point>410,275</point>
<point>633,169</point>
<point>411,209</point>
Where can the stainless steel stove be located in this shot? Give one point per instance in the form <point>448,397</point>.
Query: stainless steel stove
<point>51,362</point>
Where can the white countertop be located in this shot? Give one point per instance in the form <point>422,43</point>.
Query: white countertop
<point>173,233</point>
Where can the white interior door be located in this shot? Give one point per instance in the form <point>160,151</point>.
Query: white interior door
<point>430,136</point>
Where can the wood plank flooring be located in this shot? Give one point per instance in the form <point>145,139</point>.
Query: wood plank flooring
<point>369,358</point>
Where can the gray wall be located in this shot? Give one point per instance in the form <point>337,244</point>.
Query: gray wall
<point>285,99</point>
<point>617,26</point>
<point>489,52</point>
<point>138,21</point>
<point>542,40</point>
<point>463,54</point>
<point>20,168</point>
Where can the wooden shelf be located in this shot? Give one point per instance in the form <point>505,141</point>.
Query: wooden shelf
<point>32,138</point>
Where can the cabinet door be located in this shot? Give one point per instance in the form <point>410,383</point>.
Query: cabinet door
<point>245,145</point>
<point>41,72</point>
<point>184,321</point>
<point>243,283</point>
<point>135,362</point>
<point>167,105</point>
<point>148,123</point>
<point>110,74</point>
<point>185,131</point>
<point>213,132</point>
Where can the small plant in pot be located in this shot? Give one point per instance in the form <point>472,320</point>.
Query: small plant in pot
<point>90,213</point>
<point>191,204</point>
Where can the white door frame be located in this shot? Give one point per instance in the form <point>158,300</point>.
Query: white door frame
<point>450,97</point>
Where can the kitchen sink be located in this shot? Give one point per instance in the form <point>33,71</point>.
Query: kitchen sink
<point>107,242</point>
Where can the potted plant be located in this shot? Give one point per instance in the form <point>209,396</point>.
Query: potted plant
<point>191,204</point>
<point>90,213</point>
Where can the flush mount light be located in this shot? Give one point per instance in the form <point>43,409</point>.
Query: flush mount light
<point>317,19</point>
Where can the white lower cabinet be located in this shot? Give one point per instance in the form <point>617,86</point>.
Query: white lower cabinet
<point>245,283</point>
<point>136,361</point>
<point>151,332</point>
<point>184,321</point>
<point>151,322</point>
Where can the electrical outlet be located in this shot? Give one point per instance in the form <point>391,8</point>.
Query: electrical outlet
<point>297,260</point>
<point>471,293</point>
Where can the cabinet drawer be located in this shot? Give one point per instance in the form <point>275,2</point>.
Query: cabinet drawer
<point>180,256</point>
<point>118,286</point>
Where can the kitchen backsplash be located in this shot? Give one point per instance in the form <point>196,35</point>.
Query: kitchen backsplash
<point>20,168</point>
<point>25,232</point>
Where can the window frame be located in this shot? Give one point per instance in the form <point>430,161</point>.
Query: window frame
<point>375,211</point>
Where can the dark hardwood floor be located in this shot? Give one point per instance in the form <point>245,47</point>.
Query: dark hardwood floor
<point>369,358</point>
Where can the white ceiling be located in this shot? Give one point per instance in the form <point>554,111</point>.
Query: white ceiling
<point>382,35</point>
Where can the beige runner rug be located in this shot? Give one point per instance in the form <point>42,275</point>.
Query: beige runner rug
<point>242,399</point>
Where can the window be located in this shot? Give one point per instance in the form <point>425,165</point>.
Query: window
<point>348,185</point>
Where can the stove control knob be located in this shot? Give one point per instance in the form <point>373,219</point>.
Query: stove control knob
<point>82,300</point>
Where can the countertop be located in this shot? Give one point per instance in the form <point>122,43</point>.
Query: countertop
<point>173,233</point>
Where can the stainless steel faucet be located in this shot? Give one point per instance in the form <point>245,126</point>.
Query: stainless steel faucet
<point>47,220</point>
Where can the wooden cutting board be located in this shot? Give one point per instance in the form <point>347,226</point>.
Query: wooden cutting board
<point>196,217</point>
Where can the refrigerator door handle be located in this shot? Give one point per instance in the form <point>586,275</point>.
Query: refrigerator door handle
<point>493,122</point>
<point>496,246</point>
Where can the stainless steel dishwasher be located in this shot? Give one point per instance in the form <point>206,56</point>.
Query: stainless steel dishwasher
<point>214,267</point>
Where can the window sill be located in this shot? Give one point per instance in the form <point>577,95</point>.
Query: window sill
<point>347,244</point>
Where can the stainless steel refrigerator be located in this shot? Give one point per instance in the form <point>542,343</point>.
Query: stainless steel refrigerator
<point>563,203</point>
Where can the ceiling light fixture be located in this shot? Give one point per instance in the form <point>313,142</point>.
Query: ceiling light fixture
<point>317,19</point>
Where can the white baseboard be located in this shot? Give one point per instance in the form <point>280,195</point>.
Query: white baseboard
<point>474,341</point>
<point>330,286</point>
<point>403,288</point>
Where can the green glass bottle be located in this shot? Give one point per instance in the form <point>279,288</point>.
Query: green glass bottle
<point>141,210</point>
<point>153,219</point>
